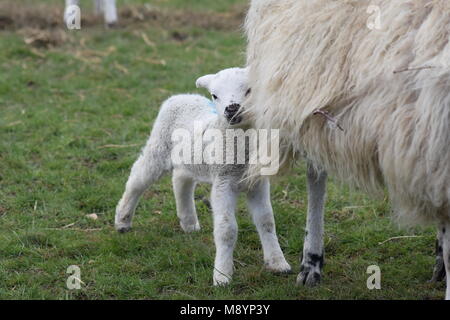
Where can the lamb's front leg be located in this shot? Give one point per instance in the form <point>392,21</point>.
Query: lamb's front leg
<point>313,253</point>
<point>223,202</point>
<point>258,200</point>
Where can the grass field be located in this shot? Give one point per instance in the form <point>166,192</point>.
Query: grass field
<point>75,109</point>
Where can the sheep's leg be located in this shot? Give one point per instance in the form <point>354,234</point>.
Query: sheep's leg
<point>183,188</point>
<point>446,251</point>
<point>98,6</point>
<point>258,200</point>
<point>68,15</point>
<point>110,12</point>
<point>313,253</point>
<point>223,202</point>
<point>72,2</point>
<point>148,168</point>
<point>439,267</point>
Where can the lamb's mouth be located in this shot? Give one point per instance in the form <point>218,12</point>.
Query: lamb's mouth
<point>234,120</point>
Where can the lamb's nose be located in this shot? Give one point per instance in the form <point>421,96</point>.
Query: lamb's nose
<point>232,108</point>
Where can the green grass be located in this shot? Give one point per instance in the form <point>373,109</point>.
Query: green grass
<point>61,107</point>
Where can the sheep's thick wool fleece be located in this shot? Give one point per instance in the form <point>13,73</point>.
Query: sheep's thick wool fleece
<point>306,55</point>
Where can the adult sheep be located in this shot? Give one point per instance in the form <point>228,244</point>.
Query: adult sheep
<point>314,63</point>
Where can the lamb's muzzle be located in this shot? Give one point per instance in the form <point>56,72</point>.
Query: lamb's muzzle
<point>232,113</point>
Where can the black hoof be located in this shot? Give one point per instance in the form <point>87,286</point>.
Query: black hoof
<point>123,229</point>
<point>308,278</point>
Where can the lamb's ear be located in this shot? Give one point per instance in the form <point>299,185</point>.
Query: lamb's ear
<point>204,82</point>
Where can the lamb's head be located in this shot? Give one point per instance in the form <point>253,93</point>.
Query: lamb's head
<point>228,88</point>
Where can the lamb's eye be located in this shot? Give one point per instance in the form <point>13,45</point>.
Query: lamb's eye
<point>248,91</point>
<point>214,97</point>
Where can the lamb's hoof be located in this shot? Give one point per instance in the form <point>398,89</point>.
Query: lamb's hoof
<point>189,228</point>
<point>308,277</point>
<point>122,227</point>
<point>220,279</point>
<point>278,266</point>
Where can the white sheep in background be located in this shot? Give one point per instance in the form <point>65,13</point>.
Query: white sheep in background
<point>228,88</point>
<point>107,7</point>
<point>313,63</point>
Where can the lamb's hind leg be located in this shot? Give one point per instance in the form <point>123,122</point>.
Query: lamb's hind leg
<point>312,261</point>
<point>446,254</point>
<point>439,267</point>
<point>183,188</point>
<point>258,200</point>
<point>148,168</point>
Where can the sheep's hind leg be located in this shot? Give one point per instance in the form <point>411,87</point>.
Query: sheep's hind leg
<point>68,14</point>
<point>98,7</point>
<point>183,188</point>
<point>258,200</point>
<point>446,255</point>
<point>439,267</point>
<point>313,253</point>
<point>72,2</point>
<point>146,170</point>
<point>110,12</point>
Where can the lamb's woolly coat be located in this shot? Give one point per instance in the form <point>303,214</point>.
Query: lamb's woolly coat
<point>306,55</point>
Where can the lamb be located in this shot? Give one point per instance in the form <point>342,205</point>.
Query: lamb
<point>316,63</point>
<point>183,113</point>
<point>107,7</point>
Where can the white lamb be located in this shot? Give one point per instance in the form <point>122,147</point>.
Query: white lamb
<point>184,112</point>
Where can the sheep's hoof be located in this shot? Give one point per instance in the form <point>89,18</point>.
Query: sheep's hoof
<point>438,270</point>
<point>308,277</point>
<point>122,227</point>
<point>310,270</point>
<point>112,25</point>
